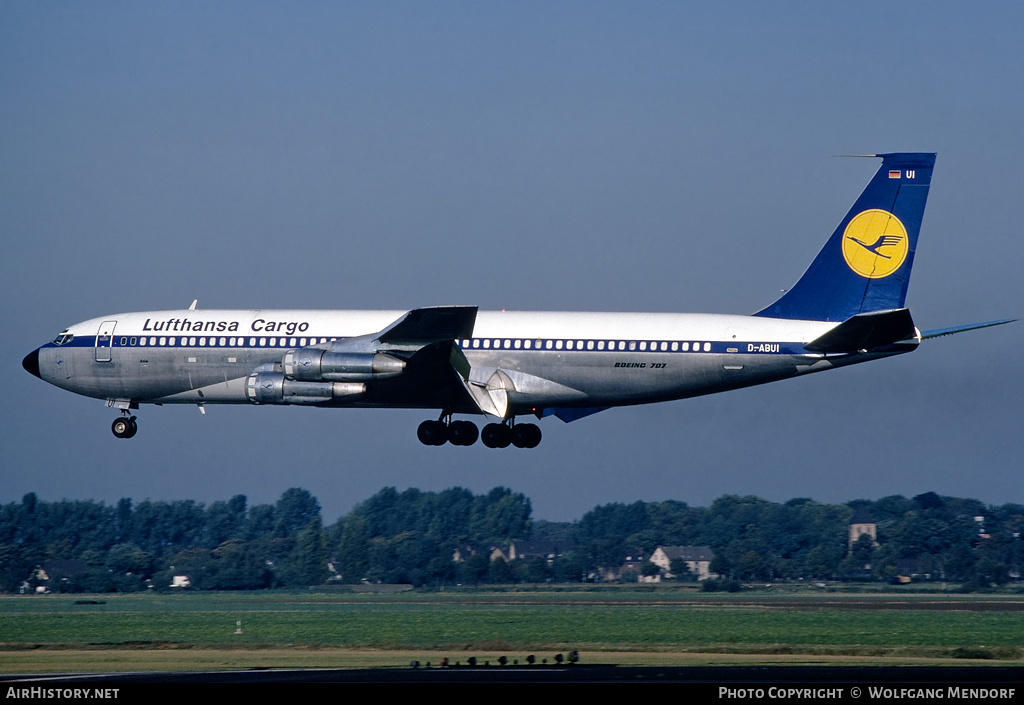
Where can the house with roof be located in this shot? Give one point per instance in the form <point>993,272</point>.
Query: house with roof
<point>548,550</point>
<point>860,524</point>
<point>697,559</point>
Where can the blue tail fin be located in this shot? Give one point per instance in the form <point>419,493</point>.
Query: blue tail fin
<point>865,265</point>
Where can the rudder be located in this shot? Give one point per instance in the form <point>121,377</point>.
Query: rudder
<point>865,265</point>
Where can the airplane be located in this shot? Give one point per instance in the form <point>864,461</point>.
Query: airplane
<point>847,308</point>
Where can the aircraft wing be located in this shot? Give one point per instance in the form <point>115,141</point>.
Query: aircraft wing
<point>424,326</point>
<point>438,369</point>
<point>408,363</point>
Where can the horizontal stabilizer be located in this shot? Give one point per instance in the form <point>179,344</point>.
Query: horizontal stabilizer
<point>939,332</point>
<point>866,331</point>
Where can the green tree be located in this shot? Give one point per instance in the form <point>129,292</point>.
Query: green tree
<point>353,550</point>
<point>500,572</point>
<point>862,550</point>
<point>307,563</point>
<point>129,558</point>
<point>294,511</point>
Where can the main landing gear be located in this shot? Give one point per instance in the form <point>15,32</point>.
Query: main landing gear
<point>124,427</point>
<point>464,433</point>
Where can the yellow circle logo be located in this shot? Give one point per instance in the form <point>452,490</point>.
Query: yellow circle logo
<point>875,243</point>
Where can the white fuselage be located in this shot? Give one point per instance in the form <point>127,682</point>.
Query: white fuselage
<point>558,359</point>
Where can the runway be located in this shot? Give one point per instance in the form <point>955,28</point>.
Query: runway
<point>710,677</point>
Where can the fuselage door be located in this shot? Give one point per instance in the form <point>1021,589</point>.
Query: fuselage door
<point>104,339</point>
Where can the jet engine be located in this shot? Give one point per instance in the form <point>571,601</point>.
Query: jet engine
<point>275,388</point>
<point>312,364</point>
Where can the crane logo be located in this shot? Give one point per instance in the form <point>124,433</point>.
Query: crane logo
<point>875,243</point>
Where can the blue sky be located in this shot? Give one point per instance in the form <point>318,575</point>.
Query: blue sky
<point>531,156</point>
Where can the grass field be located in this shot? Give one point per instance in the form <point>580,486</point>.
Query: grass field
<point>51,633</point>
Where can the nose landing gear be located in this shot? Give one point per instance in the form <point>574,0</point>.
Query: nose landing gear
<point>124,427</point>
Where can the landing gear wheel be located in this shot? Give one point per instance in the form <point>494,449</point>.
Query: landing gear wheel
<point>462,433</point>
<point>124,427</point>
<point>432,433</point>
<point>496,435</point>
<point>526,435</point>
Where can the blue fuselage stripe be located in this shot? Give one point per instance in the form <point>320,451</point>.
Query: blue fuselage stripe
<point>598,345</point>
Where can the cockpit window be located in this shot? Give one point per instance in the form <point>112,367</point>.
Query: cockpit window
<point>63,338</point>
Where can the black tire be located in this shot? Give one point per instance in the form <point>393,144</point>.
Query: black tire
<point>133,427</point>
<point>463,433</point>
<point>496,435</point>
<point>122,428</point>
<point>432,433</point>
<point>526,435</point>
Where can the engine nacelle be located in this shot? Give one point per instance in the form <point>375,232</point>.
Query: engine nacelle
<point>313,364</point>
<point>275,388</point>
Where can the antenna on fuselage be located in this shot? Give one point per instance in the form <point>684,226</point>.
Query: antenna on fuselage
<point>193,306</point>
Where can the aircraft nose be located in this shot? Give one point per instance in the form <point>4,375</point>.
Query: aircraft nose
<point>31,363</point>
